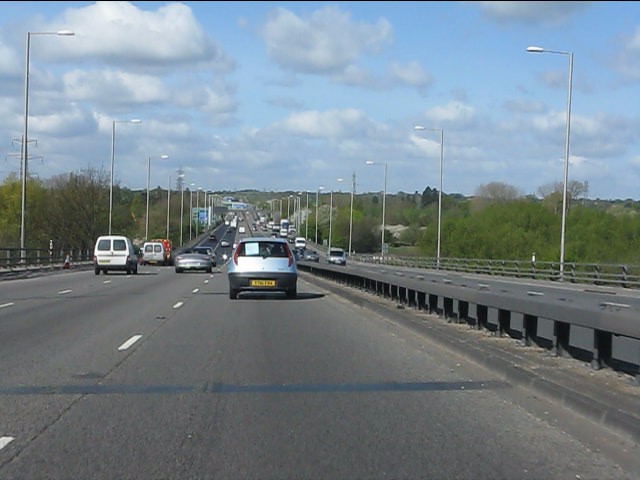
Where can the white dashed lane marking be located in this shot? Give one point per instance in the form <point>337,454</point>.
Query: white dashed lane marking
<point>129,342</point>
<point>4,441</point>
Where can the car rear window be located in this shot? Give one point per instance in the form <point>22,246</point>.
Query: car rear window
<point>119,245</point>
<point>336,253</point>
<point>104,244</point>
<point>263,249</point>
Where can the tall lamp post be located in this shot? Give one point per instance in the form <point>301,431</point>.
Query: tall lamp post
<point>566,149</point>
<point>306,220</point>
<point>317,194</point>
<point>384,201</point>
<point>420,127</point>
<point>146,228</point>
<point>181,204</point>
<point>25,137</point>
<point>191,210</point>
<point>331,212</point>
<point>198,209</point>
<point>353,190</point>
<point>168,204</point>
<point>113,146</point>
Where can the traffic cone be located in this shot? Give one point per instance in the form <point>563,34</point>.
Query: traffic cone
<point>67,262</point>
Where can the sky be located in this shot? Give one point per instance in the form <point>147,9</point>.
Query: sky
<point>286,96</point>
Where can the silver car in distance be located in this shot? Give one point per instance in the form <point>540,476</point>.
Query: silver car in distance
<point>191,259</point>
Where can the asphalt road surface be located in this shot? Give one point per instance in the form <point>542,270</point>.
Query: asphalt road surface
<point>162,376</point>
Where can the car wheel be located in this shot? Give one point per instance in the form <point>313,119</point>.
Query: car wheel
<point>105,271</point>
<point>97,271</point>
<point>209,270</point>
<point>178,270</point>
<point>233,293</point>
<point>129,270</point>
<point>135,269</point>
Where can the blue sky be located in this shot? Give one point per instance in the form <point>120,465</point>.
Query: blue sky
<point>294,95</point>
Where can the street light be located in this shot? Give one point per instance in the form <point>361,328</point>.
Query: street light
<point>384,201</point>
<point>331,212</point>
<point>168,204</point>
<point>181,205</point>
<point>317,193</point>
<point>534,49</point>
<point>25,137</point>
<point>191,210</point>
<point>420,127</point>
<point>353,189</point>
<point>306,220</point>
<point>146,228</point>
<point>113,146</point>
<point>198,209</point>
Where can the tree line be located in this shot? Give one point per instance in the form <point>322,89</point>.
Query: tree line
<point>497,222</point>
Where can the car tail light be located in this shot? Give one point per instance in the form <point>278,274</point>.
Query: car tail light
<point>235,254</point>
<point>289,253</point>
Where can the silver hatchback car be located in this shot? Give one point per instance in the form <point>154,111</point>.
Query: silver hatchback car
<point>262,264</point>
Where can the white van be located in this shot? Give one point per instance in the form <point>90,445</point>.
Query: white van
<point>153,252</point>
<point>300,242</point>
<point>114,252</point>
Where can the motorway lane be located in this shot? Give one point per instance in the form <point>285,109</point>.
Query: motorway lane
<point>49,338</point>
<point>264,387</point>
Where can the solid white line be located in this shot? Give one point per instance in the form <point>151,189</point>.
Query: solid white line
<point>63,292</point>
<point>6,305</point>
<point>535,294</point>
<point>107,281</point>
<point>196,290</point>
<point>4,441</point>
<point>178,305</point>
<point>129,342</point>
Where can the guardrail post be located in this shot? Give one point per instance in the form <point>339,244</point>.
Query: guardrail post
<point>596,274</point>
<point>572,272</point>
<point>625,274</point>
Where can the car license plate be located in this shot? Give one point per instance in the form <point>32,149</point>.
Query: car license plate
<point>104,261</point>
<point>262,283</point>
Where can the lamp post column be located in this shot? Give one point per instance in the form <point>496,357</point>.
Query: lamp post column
<point>146,227</point>
<point>440,197</point>
<point>330,216</point>
<point>317,194</point>
<point>181,211</point>
<point>384,203</point>
<point>168,204</point>
<point>353,189</point>
<point>25,141</point>
<point>534,49</point>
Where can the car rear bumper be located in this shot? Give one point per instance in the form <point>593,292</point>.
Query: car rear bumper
<point>243,281</point>
<point>193,266</point>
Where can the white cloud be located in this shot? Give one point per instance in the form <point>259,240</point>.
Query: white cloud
<point>331,124</point>
<point>449,113</point>
<point>114,87</point>
<point>122,34</point>
<point>327,42</point>
<point>9,63</point>
<point>531,12</point>
<point>411,74</point>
